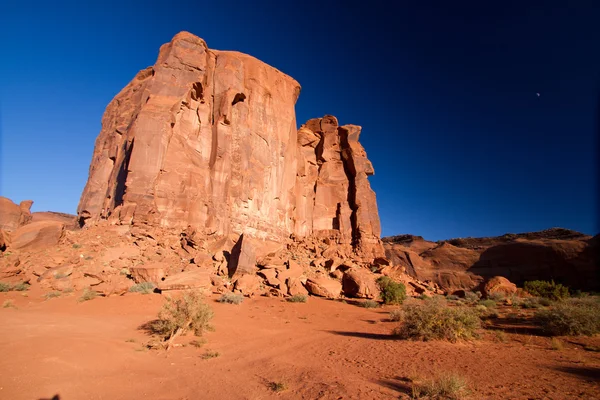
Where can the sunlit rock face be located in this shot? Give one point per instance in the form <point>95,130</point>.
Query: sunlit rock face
<point>208,139</point>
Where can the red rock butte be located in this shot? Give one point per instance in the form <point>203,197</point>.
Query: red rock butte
<point>208,139</point>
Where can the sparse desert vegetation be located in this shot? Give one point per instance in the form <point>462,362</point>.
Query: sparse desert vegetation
<point>87,295</point>
<point>549,290</point>
<point>231,298</point>
<point>391,292</point>
<point>143,288</point>
<point>434,320</point>
<point>572,317</point>
<point>443,386</point>
<point>297,298</point>
<point>180,315</point>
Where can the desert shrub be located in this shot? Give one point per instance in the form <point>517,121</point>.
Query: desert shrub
<point>5,287</point>
<point>369,304</point>
<point>497,297</point>
<point>76,246</point>
<point>396,315</point>
<point>88,295</point>
<point>231,298</point>
<point>8,304</point>
<point>21,287</point>
<point>124,271</point>
<point>570,318</point>
<point>198,342</point>
<point>452,297</point>
<point>177,316</point>
<point>144,288</point>
<point>60,275</point>
<point>423,296</point>
<point>500,336</point>
<point>210,354</point>
<point>391,292</point>
<point>277,386</point>
<point>549,290</point>
<point>487,303</point>
<point>472,297</point>
<point>297,298</point>
<point>445,386</point>
<point>51,295</point>
<point>434,320</point>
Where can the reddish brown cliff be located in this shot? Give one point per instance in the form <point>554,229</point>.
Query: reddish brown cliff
<point>208,139</point>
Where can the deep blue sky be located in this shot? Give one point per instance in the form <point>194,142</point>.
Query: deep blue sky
<point>445,93</point>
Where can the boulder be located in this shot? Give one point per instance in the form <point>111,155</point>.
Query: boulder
<point>116,285</point>
<point>248,285</point>
<point>359,282</point>
<point>324,287</point>
<point>198,278</point>
<point>13,216</point>
<point>498,284</point>
<point>154,273</point>
<point>243,258</point>
<point>37,235</point>
<point>295,287</point>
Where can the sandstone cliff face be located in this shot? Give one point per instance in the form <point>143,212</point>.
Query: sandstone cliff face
<point>208,139</point>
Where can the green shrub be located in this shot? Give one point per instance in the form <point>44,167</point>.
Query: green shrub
<point>487,303</point>
<point>21,287</point>
<point>231,298</point>
<point>570,318</point>
<point>369,304</point>
<point>5,287</point>
<point>497,297</point>
<point>549,290</point>
<point>472,297</point>
<point>51,295</point>
<point>297,298</point>
<point>144,288</point>
<point>177,316</point>
<point>277,386</point>
<point>445,386</point>
<point>396,315</point>
<point>452,297</point>
<point>210,354</point>
<point>88,295</point>
<point>423,296</point>
<point>434,320</point>
<point>391,292</point>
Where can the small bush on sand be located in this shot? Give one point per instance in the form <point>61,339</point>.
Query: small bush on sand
<point>391,292</point>
<point>231,298</point>
<point>549,290</point>
<point>198,342</point>
<point>423,296</point>
<point>5,287</point>
<point>177,316</point>
<point>369,304</point>
<point>396,315</point>
<point>51,295</point>
<point>20,287</point>
<point>434,320</point>
<point>277,386</point>
<point>452,297</point>
<point>210,354</point>
<point>472,297</point>
<point>488,303</point>
<point>297,298</point>
<point>8,304</point>
<point>497,297</point>
<point>88,295</point>
<point>571,318</point>
<point>444,386</point>
<point>143,288</point>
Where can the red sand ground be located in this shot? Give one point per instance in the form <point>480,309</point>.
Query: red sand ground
<point>319,350</point>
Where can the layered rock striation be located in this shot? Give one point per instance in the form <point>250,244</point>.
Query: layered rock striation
<point>208,139</point>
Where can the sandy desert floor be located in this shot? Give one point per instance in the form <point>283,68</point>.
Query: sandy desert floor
<point>318,350</point>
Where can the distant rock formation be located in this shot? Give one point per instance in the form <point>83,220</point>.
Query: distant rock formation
<point>208,139</point>
<point>566,256</point>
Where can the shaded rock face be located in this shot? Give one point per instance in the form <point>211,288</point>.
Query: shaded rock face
<point>208,139</point>
<point>566,256</point>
